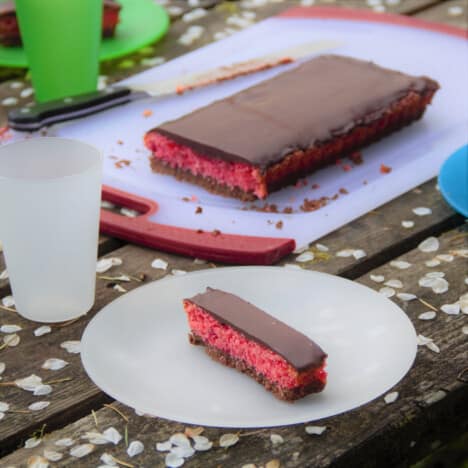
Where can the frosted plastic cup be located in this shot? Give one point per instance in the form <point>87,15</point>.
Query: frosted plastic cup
<point>61,39</point>
<point>50,192</point>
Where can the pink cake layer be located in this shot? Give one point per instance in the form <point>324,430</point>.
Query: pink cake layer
<point>233,343</point>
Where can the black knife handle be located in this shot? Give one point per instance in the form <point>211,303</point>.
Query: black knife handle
<point>33,118</point>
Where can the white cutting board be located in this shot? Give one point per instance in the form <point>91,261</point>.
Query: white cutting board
<point>415,153</point>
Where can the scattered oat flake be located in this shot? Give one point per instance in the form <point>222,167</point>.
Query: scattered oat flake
<point>202,443</point>
<point>176,272</point>
<point>183,452</point>
<point>42,389</point>
<point>8,301</point>
<point>431,244</point>
<point>432,263</point>
<point>4,406</point>
<point>159,264</point>
<point>147,113</point>
<point>135,448</point>
<point>65,442</point>
<point>377,278</point>
<point>422,211</point>
<point>32,442</point>
<point>400,264</point>
<point>292,266</point>
<point>435,274</point>
<point>129,213</point>
<point>359,253</point>
<point>193,15</point>
<point>228,440</point>
<point>105,264</point>
<point>81,451</point>
<point>9,101</point>
<point>451,309</point>
<point>180,440</point>
<point>407,224</point>
<point>95,438</point>
<point>305,257</point>
<point>455,10</point>
<point>394,283</point>
<point>387,292</point>
<point>29,383</point>
<point>164,446</point>
<point>433,347</point>
<point>440,285</point>
<point>406,296</point>
<point>108,459</point>
<point>445,257</point>
<point>11,340</point>
<point>112,435</point>
<point>173,461</point>
<point>43,330</point>
<point>463,301</point>
<point>2,415</point>
<point>2,367</point>
<point>72,346</point>
<point>54,364</point>
<point>36,461</point>
<point>199,261</point>
<point>39,405</point>
<point>10,328</point>
<point>465,329</point>
<point>276,439</point>
<point>52,455</point>
<point>315,430</point>
<point>345,253</point>
<point>423,340</point>
<point>119,288</point>
<point>391,397</point>
<point>4,275</point>
<point>429,315</point>
<point>321,248</point>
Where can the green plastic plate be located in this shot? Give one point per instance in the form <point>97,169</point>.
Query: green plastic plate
<point>142,22</point>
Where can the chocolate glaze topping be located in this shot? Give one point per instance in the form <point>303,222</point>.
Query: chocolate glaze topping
<point>312,103</point>
<point>301,352</point>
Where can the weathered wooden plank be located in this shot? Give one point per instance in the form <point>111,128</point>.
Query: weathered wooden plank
<point>453,12</point>
<point>379,234</point>
<point>374,435</point>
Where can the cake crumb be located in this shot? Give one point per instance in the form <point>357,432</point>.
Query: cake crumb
<point>335,197</point>
<point>279,225</point>
<point>313,205</point>
<point>120,142</point>
<point>343,191</point>
<point>315,186</point>
<point>200,231</point>
<point>385,169</point>
<point>199,210</point>
<point>147,113</point>
<point>346,167</point>
<point>356,157</point>
<point>216,232</point>
<point>122,163</point>
<point>288,210</point>
<point>185,199</point>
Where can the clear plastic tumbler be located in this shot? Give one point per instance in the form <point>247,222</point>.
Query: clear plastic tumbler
<point>49,216</point>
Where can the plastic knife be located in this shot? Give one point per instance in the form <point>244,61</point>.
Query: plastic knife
<point>45,114</point>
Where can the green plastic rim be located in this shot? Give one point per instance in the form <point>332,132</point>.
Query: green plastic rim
<point>142,22</point>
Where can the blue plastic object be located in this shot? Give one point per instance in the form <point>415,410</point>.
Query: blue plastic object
<point>453,180</point>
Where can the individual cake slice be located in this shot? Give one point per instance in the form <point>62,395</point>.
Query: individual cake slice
<point>272,134</point>
<point>10,33</point>
<point>240,335</point>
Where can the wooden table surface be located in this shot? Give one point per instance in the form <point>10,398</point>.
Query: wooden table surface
<point>432,406</point>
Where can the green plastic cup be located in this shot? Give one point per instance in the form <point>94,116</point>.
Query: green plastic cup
<point>61,39</point>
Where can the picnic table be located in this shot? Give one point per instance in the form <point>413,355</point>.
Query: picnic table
<point>432,405</point>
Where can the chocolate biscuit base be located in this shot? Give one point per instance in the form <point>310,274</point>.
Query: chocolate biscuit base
<point>284,394</point>
<point>207,183</point>
<point>301,163</point>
